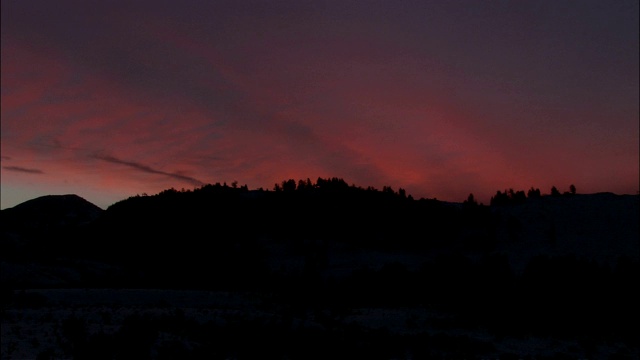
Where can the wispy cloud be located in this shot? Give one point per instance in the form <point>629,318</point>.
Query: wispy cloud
<point>5,157</point>
<point>147,169</point>
<point>24,170</point>
<point>226,91</point>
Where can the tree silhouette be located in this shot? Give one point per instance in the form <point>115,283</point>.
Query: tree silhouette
<point>572,189</point>
<point>508,197</point>
<point>289,185</point>
<point>517,197</point>
<point>554,191</point>
<point>499,198</point>
<point>533,193</point>
<point>302,185</point>
<point>471,201</point>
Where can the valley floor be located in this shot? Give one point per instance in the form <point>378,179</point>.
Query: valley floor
<point>169,324</point>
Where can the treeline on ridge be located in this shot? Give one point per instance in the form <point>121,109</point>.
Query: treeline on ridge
<point>195,221</point>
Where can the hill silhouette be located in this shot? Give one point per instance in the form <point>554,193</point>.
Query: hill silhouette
<point>522,266</point>
<point>51,211</point>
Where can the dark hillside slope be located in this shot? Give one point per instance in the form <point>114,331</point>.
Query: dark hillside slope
<point>600,227</point>
<point>326,254</point>
<point>50,211</point>
<point>333,213</point>
<point>222,230</point>
<point>46,221</point>
<point>38,237</point>
<point>197,238</point>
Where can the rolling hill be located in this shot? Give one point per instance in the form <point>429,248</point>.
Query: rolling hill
<point>330,261</point>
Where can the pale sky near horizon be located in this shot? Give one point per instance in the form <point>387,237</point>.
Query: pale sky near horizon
<point>442,98</point>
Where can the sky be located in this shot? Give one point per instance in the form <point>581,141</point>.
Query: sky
<point>110,99</point>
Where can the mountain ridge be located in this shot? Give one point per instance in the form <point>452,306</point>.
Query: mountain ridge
<point>186,225</point>
<point>328,262</point>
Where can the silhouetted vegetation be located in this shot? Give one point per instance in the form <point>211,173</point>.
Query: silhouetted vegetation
<point>509,197</point>
<point>533,193</point>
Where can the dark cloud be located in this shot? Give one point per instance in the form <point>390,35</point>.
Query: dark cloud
<point>5,157</point>
<point>24,170</point>
<point>148,169</point>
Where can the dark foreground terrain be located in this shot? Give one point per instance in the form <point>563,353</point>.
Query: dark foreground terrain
<point>321,270</point>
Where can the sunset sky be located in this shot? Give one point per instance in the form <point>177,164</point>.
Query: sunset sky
<point>109,99</point>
